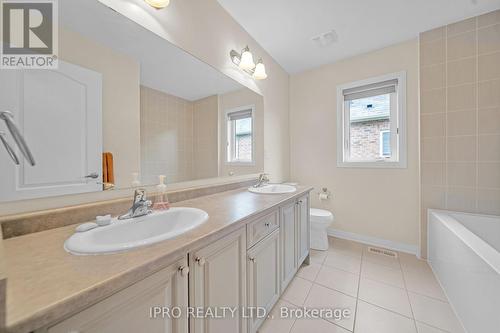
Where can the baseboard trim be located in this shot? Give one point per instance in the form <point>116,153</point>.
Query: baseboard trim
<point>387,244</point>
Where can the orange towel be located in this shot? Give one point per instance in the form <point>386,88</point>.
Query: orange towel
<point>108,174</point>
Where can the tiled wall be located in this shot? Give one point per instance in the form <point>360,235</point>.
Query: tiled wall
<point>166,137</point>
<point>205,150</point>
<point>460,117</point>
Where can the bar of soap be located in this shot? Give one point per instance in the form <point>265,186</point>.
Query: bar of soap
<point>86,227</point>
<point>103,220</point>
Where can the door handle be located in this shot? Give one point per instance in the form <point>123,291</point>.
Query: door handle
<point>184,271</point>
<point>93,175</point>
<point>200,261</point>
<point>9,149</point>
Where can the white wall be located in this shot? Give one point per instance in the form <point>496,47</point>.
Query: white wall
<point>380,203</point>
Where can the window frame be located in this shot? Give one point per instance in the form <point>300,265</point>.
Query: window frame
<point>381,142</point>
<point>398,140</point>
<point>250,108</point>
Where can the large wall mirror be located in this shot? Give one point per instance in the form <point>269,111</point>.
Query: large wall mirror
<point>124,107</point>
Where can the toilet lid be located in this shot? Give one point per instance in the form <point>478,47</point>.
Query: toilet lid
<point>320,213</point>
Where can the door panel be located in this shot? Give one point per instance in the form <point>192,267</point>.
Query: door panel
<point>129,310</point>
<point>303,228</point>
<point>263,276</point>
<point>64,133</point>
<point>218,280</point>
<point>288,245</point>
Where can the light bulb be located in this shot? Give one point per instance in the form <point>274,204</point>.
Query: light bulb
<point>246,62</point>
<point>260,71</point>
<point>158,4</point>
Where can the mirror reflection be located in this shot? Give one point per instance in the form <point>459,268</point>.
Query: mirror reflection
<point>123,108</point>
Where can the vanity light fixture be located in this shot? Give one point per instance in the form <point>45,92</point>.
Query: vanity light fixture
<point>158,4</point>
<point>244,61</point>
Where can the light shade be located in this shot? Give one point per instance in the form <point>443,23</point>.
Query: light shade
<point>260,71</point>
<point>158,4</point>
<point>246,62</point>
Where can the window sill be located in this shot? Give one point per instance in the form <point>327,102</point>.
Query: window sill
<point>236,163</point>
<point>373,165</point>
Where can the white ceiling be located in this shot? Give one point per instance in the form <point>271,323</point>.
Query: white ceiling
<point>285,27</point>
<point>164,66</point>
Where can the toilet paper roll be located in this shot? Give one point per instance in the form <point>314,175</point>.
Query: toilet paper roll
<point>323,196</point>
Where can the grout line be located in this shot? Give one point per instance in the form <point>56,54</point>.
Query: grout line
<point>408,298</point>
<point>357,293</point>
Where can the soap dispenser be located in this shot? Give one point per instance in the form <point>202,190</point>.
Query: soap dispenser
<point>161,199</point>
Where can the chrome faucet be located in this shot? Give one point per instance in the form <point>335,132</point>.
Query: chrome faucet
<point>263,180</point>
<point>140,206</point>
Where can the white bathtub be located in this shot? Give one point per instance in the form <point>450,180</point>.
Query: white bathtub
<point>464,253</point>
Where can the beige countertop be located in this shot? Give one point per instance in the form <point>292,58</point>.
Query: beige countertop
<point>45,283</point>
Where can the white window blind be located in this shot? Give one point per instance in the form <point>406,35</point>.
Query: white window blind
<point>370,90</point>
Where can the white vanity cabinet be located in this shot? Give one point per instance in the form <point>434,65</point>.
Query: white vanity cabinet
<point>130,309</point>
<point>263,277</point>
<point>303,228</point>
<point>287,242</point>
<point>294,237</point>
<point>217,280</point>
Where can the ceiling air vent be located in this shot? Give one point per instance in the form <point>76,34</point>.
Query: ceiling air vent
<point>326,38</point>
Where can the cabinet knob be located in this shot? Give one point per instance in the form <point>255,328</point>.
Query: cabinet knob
<point>267,224</point>
<point>184,270</point>
<point>253,260</point>
<point>200,261</point>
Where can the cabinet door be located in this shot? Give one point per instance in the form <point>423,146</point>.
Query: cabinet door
<point>303,229</point>
<point>130,309</point>
<point>263,277</point>
<point>288,244</point>
<point>217,280</point>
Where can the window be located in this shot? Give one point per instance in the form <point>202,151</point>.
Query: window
<point>371,123</point>
<point>240,136</point>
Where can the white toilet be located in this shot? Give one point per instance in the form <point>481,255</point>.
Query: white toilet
<point>320,221</point>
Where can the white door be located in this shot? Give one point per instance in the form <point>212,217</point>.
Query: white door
<point>217,280</point>
<point>303,229</point>
<point>133,309</point>
<point>263,277</point>
<point>59,113</point>
<point>288,244</point>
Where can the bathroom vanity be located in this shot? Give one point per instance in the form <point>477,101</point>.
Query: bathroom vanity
<point>244,256</point>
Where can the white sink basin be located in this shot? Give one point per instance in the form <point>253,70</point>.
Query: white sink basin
<point>130,234</point>
<point>273,189</point>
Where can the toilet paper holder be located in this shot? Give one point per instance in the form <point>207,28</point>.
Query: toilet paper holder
<point>325,194</point>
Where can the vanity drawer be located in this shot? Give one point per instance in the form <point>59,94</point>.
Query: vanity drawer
<point>260,228</point>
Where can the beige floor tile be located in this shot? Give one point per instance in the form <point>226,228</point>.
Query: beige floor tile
<point>345,247</point>
<point>383,274</point>
<point>316,325</point>
<point>372,319</point>
<point>275,323</point>
<point>318,257</point>
<point>381,260</point>
<point>309,272</point>
<point>324,298</point>
<point>434,312</point>
<point>425,283</point>
<point>297,291</point>
<point>339,280</point>
<point>341,261</point>
<point>424,328</point>
<point>411,262</point>
<point>385,296</point>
